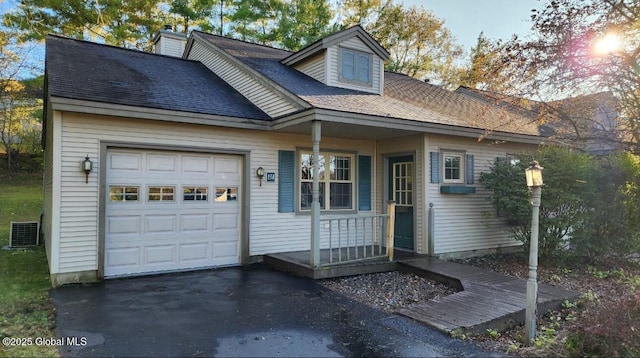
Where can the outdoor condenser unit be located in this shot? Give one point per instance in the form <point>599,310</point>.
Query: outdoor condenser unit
<point>24,233</point>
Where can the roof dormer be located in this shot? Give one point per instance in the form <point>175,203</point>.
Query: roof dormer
<point>348,59</point>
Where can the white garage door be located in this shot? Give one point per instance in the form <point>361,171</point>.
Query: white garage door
<point>169,211</point>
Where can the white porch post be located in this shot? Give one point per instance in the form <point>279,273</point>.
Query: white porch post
<point>315,192</point>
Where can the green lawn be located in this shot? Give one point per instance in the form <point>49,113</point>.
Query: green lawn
<point>25,308</point>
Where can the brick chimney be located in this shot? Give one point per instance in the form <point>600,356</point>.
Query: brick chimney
<point>170,43</point>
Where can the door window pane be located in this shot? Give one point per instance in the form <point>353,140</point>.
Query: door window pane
<point>402,183</point>
<point>226,194</point>
<point>123,193</point>
<point>161,193</point>
<point>190,193</point>
<point>452,167</point>
<point>348,65</point>
<point>340,195</point>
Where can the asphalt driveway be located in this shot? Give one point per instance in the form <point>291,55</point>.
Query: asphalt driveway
<point>251,311</point>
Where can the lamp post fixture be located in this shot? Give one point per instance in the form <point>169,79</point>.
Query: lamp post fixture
<point>534,182</point>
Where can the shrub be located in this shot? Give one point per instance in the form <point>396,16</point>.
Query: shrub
<point>593,203</point>
<point>562,207</point>
<point>610,330</point>
<point>614,208</point>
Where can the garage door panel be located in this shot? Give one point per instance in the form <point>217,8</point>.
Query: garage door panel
<point>161,164</point>
<point>161,224</point>
<point>118,225</point>
<point>125,257</point>
<point>195,223</point>
<point>196,165</point>
<point>128,162</point>
<point>185,229</point>
<point>226,170</point>
<point>161,254</point>
<point>194,252</point>
<point>225,221</point>
<point>225,249</point>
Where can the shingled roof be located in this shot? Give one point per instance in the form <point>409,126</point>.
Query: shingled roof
<point>88,71</point>
<point>404,97</point>
<point>108,74</point>
<point>585,121</point>
<point>473,113</point>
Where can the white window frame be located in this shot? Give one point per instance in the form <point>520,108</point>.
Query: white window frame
<point>356,54</point>
<point>124,194</point>
<point>461,179</point>
<point>512,159</point>
<point>326,179</point>
<point>162,194</point>
<point>197,193</point>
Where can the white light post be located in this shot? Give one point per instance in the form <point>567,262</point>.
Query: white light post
<point>534,182</point>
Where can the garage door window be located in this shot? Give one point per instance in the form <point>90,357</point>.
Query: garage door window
<point>161,193</point>
<point>190,193</point>
<point>123,193</point>
<point>226,194</point>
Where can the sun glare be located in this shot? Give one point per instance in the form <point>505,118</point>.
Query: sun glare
<point>608,44</point>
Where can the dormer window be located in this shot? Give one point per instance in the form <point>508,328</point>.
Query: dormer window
<point>355,66</point>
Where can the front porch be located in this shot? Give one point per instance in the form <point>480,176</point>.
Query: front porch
<point>297,262</point>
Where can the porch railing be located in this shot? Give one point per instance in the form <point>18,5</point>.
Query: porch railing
<point>359,237</point>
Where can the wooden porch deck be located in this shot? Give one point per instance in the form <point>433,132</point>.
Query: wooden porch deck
<point>487,299</point>
<point>298,263</point>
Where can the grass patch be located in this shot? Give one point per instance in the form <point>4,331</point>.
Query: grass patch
<point>26,311</point>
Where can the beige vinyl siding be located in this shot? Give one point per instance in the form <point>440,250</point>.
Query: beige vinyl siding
<point>333,67</point>
<point>468,222</point>
<point>47,182</point>
<point>78,202</point>
<point>398,147</point>
<point>269,230</point>
<point>314,67</point>
<point>254,90</point>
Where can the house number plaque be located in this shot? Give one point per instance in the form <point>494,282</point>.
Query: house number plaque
<point>271,176</point>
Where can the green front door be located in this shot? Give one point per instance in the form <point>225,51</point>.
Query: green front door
<point>401,191</point>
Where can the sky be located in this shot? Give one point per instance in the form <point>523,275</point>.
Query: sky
<point>498,19</point>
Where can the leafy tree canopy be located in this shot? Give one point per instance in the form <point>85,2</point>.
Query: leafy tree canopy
<point>127,23</point>
<point>566,57</point>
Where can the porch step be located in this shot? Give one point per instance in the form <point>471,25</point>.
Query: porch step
<point>291,264</point>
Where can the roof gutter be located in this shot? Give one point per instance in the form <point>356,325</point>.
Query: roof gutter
<point>417,126</point>
<point>119,110</point>
<point>284,122</point>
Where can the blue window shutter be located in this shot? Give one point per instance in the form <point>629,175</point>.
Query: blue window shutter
<point>286,181</point>
<point>469,169</point>
<point>435,167</point>
<point>364,182</point>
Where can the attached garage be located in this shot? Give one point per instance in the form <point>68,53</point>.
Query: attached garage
<point>168,211</point>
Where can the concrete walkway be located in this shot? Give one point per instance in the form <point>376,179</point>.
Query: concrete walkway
<point>488,300</point>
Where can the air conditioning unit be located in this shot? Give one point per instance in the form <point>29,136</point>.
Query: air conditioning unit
<point>24,233</point>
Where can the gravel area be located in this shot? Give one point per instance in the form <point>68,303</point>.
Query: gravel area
<point>388,291</point>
